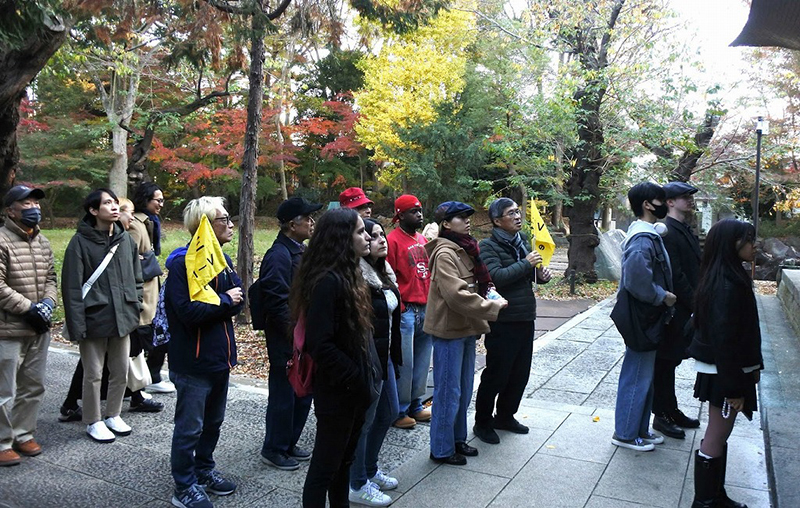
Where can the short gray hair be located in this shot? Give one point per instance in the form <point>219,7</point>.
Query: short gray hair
<point>196,208</point>
<point>497,207</point>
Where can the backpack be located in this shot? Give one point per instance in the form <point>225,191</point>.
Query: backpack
<point>258,315</point>
<point>300,367</point>
<point>160,324</point>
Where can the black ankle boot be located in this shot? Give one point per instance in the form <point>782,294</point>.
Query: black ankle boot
<point>724,500</point>
<point>706,477</point>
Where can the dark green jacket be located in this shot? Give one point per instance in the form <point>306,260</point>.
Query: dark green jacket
<point>512,277</point>
<point>113,304</point>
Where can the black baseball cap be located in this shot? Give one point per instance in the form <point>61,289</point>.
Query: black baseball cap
<point>293,207</point>
<point>20,192</point>
<point>674,189</point>
<point>450,209</point>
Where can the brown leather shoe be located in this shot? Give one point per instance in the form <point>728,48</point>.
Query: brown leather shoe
<point>422,416</point>
<point>29,448</point>
<point>9,458</point>
<point>405,422</point>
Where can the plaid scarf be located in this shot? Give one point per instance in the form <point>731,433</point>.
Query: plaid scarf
<point>470,246</point>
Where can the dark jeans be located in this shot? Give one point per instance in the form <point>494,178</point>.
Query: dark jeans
<point>155,360</point>
<point>509,348</point>
<point>199,413</point>
<point>664,399</point>
<point>286,413</point>
<point>334,448</point>
<point>75,392</point>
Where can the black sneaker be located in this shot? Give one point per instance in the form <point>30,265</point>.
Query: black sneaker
<point>466,450</point>
<point>147,406</point>
<point>70,415</point>
<point>681,420</point>
<point>280,460</point>
<point>509,424</point>
<point>193,497</point>
<point>298,453</point>
<point>486,434</point>
<point>213,482</point>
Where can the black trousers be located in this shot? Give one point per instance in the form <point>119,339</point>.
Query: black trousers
<point>155,360</point>
<point>664,399</point>
<point>509,348</point>
<point>334,451</point>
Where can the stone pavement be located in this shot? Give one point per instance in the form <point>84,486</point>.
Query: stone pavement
<point>566,460</point>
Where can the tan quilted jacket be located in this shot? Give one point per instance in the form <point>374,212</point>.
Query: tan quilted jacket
<point>141,235</point>
<point>27,275</point>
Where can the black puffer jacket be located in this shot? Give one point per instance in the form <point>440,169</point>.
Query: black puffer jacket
<point>512,275</point>
<point>731,339</point>
<point>380,319</point>
<point>113,304</point>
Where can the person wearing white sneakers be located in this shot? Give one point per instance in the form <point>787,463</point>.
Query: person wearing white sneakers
<point>101,287</point>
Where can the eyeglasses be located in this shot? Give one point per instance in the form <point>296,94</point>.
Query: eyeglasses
<point>513,213</point>
<point>226,219</point>
<point>160,201</point>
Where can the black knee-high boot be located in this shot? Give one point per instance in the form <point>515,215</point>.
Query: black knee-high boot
<point>706,481</point>
<point>724,500</point>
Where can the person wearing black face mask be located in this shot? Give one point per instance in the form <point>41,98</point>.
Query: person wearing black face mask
<point>646,301</point>
<point>27,298</point>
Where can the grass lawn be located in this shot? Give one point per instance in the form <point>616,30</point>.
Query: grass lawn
<point>172,238</point>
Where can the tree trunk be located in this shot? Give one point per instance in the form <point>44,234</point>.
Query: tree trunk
<point>18,67</point>
<point>247,203</point>
<point>118,176</point>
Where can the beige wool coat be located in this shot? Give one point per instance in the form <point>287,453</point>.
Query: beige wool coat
<point>141,235</point>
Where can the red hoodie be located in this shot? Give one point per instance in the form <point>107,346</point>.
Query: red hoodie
<point>409,260</point>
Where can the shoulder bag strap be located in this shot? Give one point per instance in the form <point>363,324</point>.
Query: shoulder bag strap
<point>98,271</point>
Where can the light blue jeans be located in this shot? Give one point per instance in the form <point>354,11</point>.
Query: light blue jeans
<point>453,380</point>
<point>380,416</point>
<point>634,395</point>
<point>416,346</point>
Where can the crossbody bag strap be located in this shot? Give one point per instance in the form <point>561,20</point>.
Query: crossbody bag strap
<point>98,272</point>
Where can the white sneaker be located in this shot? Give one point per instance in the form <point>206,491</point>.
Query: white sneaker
<point>383,481</point>
<point>145,395</point>
<point>116,425</point>
<point>161,387</point>
<point>100,433</point>
<point>369,495</point>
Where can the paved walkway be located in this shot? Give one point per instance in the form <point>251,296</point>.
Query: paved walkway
<point>566,460</point>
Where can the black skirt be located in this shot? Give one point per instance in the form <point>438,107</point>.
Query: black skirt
<point>707,389</point>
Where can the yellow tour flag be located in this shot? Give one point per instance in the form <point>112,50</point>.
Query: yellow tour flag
<point>204,261</point>
<point>542,241</point>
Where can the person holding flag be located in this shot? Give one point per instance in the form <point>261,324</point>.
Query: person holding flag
<point>509,345</point>
<point>201,297</point>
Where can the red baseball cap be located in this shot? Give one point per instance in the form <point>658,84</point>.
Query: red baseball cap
<point>353,197</point>
<point>403,204</point>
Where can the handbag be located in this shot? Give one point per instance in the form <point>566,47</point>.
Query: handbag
<point>300,367</point>
<point>138,372</point>
<point>150,267</point>
<point>87,286</point>
<point>641,325</point>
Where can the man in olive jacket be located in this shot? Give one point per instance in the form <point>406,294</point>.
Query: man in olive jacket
<point>509,345</point>
<point>27,299</point>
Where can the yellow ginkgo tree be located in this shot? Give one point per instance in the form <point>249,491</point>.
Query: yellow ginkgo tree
<point>411,75</point>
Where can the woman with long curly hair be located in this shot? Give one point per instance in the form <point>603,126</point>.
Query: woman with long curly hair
<point>330,294</point>
<point>727,351</point>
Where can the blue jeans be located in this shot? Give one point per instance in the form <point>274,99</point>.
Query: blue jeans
<point>380,416</point>
<point>416,346</point>
<point>199,413</point>
<point>634,395</point>
<point>453,376</point>
<point>286,413</point>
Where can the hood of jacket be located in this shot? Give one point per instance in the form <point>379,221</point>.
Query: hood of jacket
<point>437,245</point>
<point>179,252</point>
<point>372,277</point>
<point>93,234</point>
<point>639,227</point>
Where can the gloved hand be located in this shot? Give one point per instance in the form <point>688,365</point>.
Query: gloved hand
<point>45,309</point>
<point>39,315</point>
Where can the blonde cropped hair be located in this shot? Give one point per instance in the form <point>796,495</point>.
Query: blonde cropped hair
<point>126,204</point>
<point>194,211</point>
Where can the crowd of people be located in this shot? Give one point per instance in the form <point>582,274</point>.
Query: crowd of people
<point>376,310</point>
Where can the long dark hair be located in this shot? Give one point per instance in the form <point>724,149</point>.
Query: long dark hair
<point>330,250</point>
<point>144,193</point>
<point>721,263</point>
<point>93,200</point>
<point>379,264</point>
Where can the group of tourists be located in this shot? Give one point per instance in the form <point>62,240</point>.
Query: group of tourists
<point>374,310</point>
